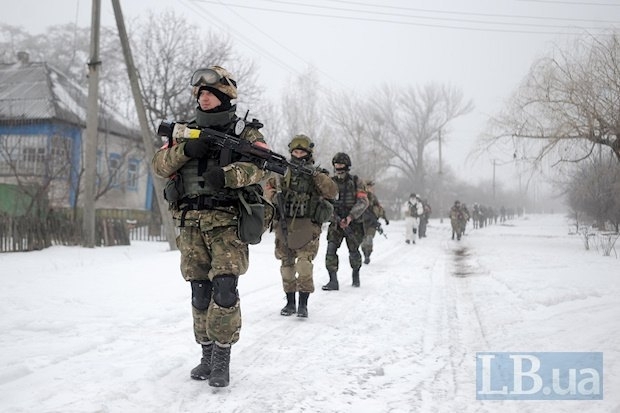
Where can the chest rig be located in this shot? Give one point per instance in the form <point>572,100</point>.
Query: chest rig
<point>300,195</point>
<point>347,192</point>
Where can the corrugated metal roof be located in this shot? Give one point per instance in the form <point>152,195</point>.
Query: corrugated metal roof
<point>36,91</point>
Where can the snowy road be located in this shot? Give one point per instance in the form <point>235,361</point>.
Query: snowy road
<point>109,330</point>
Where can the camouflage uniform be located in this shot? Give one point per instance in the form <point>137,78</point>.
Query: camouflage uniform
<point>458,218</point>
<point>302,197</point>
<point>351,203</point>
<point>212,255</point>
<point>370,222</point>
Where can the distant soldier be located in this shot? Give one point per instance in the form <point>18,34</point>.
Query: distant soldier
<point>347,225</point>
<point>371,220</point>
<point>302,205</point>
<point>426,214</point>
<point>413,210</point>
<point>458,219</point>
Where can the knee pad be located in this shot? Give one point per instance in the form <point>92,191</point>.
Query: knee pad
<point>201,294</point>
<point>225,290</point>
<point>331,248</point>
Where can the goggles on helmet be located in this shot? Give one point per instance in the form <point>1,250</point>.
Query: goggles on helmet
<point>210,77</point>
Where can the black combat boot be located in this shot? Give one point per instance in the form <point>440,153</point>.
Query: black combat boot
<point>356,278</point>
<point>220,364</point>
<point>203,370</point>
<point>332,285</point>
<point>289,308</point>
<point>302,311</point>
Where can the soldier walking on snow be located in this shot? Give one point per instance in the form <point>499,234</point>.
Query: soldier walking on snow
<point>206,184</point>
<point>413,210</point>
<point>302,204</point>
<point>371,220</point>
<point>346,225</point>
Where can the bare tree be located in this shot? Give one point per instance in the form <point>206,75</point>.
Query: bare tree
<point>413,118</point>
<point>567,105</point>
<point>302,112</point>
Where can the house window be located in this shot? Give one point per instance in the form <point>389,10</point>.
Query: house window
<point>133,168</point>
<point>23,155</point>
<point>114,168</point>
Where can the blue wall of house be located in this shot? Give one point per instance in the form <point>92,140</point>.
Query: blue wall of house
<point>50,129</point>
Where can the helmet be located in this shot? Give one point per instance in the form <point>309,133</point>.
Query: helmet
<point>342,158</point>
<point>214,78</point>
<point>301,142</point>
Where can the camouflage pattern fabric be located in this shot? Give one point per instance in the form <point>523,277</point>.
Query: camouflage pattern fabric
<point>298,261</point>
<point>367,244</point>
<point>209,242</point>
<point>335,235</point>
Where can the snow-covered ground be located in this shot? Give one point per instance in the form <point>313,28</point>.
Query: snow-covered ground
<point>110,329</point>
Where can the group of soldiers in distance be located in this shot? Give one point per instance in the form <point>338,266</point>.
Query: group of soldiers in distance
<point>481,216</point>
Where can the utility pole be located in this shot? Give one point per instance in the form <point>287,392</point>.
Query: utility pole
<point>92,126</point>
<point>440,181</point>
<point>494,163</point>
<point>149,149</point>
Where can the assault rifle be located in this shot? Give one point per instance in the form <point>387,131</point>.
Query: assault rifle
<point>348,232</point>
<point>370,217</point>
<point>258,155</point>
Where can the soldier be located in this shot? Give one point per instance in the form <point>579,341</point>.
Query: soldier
<point>204,193</point>
<point>426,214</point>
<point>413,210</point>
<point>458,219</point>
<point>371,220</point>
<point>302,204</point>
<point>351,203</point>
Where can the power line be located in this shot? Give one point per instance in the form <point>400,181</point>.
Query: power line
<point>368,19</point>
<point>576,3</point>
<point>458,13</point>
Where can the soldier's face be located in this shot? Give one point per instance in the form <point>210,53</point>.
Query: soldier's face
<point>208,100</point>
<point>298,153</point>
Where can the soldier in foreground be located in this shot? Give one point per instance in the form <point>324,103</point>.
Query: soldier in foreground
<point>346,223</point>
<point>204,189</point>
<point>301,202</point>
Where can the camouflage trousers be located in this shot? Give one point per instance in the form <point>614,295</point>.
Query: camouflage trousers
<point>209,251</point>
<point>369,234</point>
<point>297,265</point>
<point>335,236</point>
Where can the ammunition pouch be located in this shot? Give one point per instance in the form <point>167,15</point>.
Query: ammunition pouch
<point>255,215</point>
<point>174,190</point>
<point>323,212</point>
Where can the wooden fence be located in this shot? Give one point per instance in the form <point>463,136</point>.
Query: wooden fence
<point>63,227</point>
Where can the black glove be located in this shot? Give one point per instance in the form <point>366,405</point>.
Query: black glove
<point>386,221</point>
<point>196,148</point>
<point>215,178</point>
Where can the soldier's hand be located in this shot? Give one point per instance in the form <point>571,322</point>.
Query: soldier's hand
<point>344,222</point>
<point>196,148</point>
<point>386,221</point>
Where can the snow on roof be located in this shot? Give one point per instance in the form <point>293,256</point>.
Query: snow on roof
<point>37,91</point>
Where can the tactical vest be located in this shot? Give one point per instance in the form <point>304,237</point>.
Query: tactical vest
<point>301,196</point>
<point>193,172</point>
<point>347,192</point>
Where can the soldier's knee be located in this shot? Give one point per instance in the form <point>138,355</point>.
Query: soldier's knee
<point>225,290</point>
<point>201,294</point>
